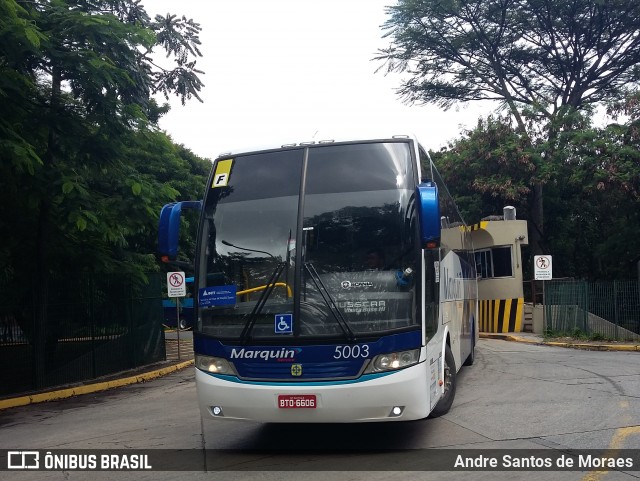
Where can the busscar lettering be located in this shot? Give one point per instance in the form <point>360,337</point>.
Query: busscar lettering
<point>363,306</point>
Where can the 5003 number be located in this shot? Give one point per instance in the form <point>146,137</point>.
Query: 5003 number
<point>351,352</point>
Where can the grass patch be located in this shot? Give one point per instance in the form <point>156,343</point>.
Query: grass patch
<point>575,335</point>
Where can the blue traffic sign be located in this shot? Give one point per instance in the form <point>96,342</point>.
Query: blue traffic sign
<point>217,296</point>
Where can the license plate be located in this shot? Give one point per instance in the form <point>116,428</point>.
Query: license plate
<point>297,401</point>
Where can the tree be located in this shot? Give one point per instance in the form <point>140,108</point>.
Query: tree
<point>597,198</point>
<point>75,91</point>
<point>592,201</point>
<point>488,168</point>
<point>80,76</point>
<point>543,60</point>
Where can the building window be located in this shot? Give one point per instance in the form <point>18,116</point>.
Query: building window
<point>494,262</point>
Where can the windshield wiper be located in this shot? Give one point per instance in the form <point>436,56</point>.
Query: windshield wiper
<point>328,300</point>
<point>253,315</point>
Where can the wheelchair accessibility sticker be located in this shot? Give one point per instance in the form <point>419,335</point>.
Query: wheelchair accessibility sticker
<point>283,324</point>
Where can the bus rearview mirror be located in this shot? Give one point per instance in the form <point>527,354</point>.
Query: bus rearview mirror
<point>169,227</point>
<point>429,214</point>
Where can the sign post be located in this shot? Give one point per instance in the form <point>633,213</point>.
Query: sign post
<point>543,271</point>
<point>176,288</point>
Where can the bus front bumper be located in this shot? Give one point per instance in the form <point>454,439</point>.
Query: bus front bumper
<point>395,396</point>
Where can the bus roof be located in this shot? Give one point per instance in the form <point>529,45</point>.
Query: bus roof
<point>323,137</point>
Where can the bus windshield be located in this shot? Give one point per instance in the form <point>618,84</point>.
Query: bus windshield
<point>312,242</point>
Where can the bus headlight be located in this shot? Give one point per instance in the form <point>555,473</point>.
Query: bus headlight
<point>215,365</point>
<point>393,361</point>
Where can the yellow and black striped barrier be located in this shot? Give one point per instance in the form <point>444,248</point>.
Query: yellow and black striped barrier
<point>501,315</point>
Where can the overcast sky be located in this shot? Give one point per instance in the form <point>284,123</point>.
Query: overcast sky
<point>281,70</point>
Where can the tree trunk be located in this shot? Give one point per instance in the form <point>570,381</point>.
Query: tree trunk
<point>536,229</point>
<point>536,224</point>
<point>41,295</point>
<point>42,338</point>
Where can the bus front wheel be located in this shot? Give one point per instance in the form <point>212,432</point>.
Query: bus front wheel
<point>446,400</point>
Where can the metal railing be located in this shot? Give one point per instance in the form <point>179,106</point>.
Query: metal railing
<point>607,310</point>
<point>90,327</point>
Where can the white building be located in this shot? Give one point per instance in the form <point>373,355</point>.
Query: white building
<point>497,242</point>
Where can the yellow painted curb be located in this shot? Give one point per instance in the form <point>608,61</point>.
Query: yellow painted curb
<point>627,348</point>
<point>523,340</point>
<point>90,388</point>
<point>556,344</point>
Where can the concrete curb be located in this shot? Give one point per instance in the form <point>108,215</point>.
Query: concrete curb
<point>577,345</point>
<point>90,388</point>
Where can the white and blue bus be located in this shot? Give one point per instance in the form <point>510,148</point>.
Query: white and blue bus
<point>335,282</point>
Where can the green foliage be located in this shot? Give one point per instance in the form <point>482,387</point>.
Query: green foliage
<point>592,201</point>
<point>19,39</point>
<point>547,62</point>
<point>178,37</point>
<point>592,189</point>
<point>544,56</point>
<point>489,167</point>
<point>85,169</point>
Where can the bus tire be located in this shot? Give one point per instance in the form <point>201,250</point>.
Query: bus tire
<point>472,355</point>
<point>445,402</point>
<point>183,324</point>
